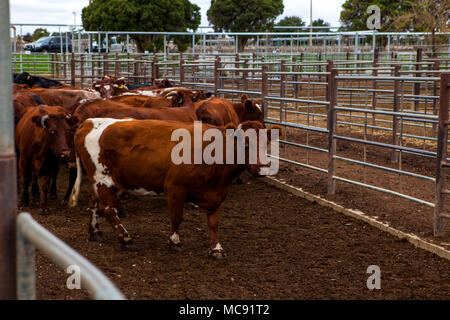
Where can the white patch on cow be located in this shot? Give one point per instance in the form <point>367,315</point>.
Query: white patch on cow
<point>218,247</point>
<point>258,106</point>
<point>148,93</point>
<point>129,94</point>
<point>175,238</point>
<point>107,87</point>
<point>73,200</point>
<point>94,219</point>
<point>82,101</point>
<point>91,143</point>
<point>143,192</point>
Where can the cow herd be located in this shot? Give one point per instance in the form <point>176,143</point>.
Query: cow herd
<point>120,136</point>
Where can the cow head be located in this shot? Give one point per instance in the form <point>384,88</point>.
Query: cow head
<point>57,128</point>
<point>255,138</point>
<point>180,98</point>
<point>200,95</point>
<point>109,86</point>
<point>251,111</point>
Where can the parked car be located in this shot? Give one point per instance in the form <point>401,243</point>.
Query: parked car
<point>29,46</point>
<point>52,44</point>
<point>114,46</point>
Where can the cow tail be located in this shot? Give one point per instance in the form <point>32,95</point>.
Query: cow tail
<point>73,200</point>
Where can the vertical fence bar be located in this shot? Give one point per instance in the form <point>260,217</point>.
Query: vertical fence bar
<point>264,92</point>
<point>417,84</point>
<point>245,76</point>
<point>216,76</point>
<point>282,92</point>
<point>332,87</point>
<point>72,70</point>
<point>441,153</point>
<point>396,108</point>
<point>26,266</point>
<point>8,190</point>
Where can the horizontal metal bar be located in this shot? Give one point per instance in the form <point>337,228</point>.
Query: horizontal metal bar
<point>303,146</point>
<point>401,195</point>
<point>299,164</point>
<point>385,145</point>
<point>297,100</point>
<point>390,113</point>
<point>371,165</point>
<point>239,91</point>
<point>98,285</point>
<point>297,126</point>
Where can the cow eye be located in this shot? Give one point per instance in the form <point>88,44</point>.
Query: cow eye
<point>52,132</point>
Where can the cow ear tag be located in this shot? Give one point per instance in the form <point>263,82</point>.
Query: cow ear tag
<point>121,86</point>
<point>180,101</point>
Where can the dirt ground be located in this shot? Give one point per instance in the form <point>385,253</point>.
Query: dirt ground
<point>278,247</point>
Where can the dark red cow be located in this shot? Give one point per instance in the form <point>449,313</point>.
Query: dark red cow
<point>41,143</point>
<point>137,155</point>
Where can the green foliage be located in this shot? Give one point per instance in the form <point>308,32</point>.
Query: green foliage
<point>291,21</point>
<point>354,13</point>
<point>39,33</point>
<point>321,23</point>
<point>244,16</point>
<point>143,15</point>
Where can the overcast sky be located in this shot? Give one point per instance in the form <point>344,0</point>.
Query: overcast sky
<point>61,11</point>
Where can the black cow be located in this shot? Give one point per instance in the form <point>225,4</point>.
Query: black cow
<point>35,81</point>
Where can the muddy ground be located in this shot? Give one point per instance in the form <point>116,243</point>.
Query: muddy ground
<point>278,247</point>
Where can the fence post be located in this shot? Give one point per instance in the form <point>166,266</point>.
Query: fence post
<point>117,65</point>
<point>8,191</point>
<point>217,76</point>
<point>26,266</point>
<point>105,64</point>
<point>332,87</point>
<point>72,71</point>
<point>435,92</point>
<point>441,160</point>
<point>396,108</point>
<point>81,70</point>
<point>330,67</point>
<point>417,85</point>
<point>181,70</point>
<point>283,115</point>
<point>265,108</point>
<point>245,76</point>
<point>374,85</point>
<point>154,70</point>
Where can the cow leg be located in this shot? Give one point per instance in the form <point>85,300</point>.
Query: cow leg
<point>52,192</point>
<point>44,192</point>
<point>107,205</point>
<point>94,231</point>
<point>26,180</point>
<point>175,204</point>
<point>72,178</point>
<point>35,190</point>
<point>215,249</point>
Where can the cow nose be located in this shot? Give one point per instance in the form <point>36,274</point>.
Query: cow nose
<point>65,154</point>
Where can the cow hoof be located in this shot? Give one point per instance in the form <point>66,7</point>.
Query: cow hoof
<point>97,237</point>
<point>175,247</point>
<point>44,212</point>
<point>129,247</point>
<point>217,254</point>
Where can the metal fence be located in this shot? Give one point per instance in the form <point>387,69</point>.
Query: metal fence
<point>31,235</point>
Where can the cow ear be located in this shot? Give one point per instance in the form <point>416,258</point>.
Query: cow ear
<point>248,104</point>
<point>36,120</point>
<point>230,125</point>
<point>196,96</point>
<point>243,98</point>
<point>276,127</point>
<point>208,95</point>
<point>72,120</point>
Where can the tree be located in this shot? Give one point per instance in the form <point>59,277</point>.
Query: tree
<point>291,21</point>
<point>140,15</point>
<point>354,13</point>
<point>321,23</point>
<point>39,33</point>
<point>429,16</point>
<point>28,37</point>
<point>244,16</point>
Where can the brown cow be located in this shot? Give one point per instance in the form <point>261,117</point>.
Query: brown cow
<point>41,142</point>
<point>106,108</point>
<point>216,111</point>
<point>69,99</point>
<point>19,87</point>
<point>137,155</point>
<point>23,100</point>
<point>249,110</point>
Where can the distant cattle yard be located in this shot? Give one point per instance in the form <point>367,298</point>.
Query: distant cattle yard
<point>365,134</point>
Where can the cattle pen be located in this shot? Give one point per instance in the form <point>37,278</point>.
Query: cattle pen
<point>365,131</point>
